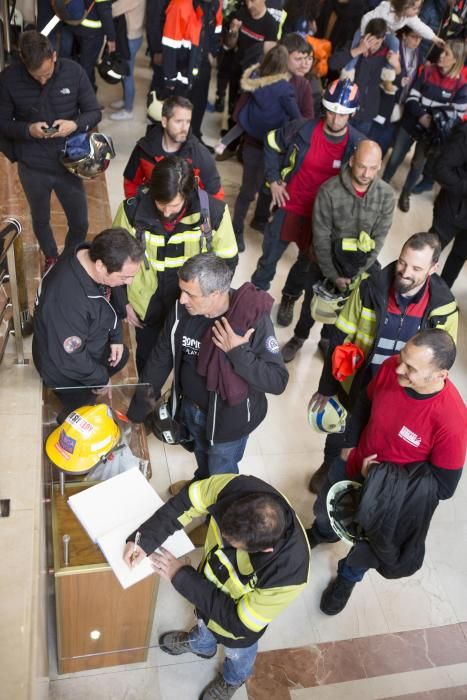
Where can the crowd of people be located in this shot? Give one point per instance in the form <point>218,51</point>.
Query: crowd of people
<point>318,94</point>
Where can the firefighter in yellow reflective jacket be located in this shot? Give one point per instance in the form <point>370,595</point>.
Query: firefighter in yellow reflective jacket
<point>174,220</point>
<point>255,563</point>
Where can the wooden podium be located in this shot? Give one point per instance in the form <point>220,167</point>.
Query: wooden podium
<point>99,623</point>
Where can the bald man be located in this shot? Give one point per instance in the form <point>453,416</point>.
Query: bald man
<point>352,216</point>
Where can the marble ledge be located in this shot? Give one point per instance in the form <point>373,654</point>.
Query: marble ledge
<point>278,672</point>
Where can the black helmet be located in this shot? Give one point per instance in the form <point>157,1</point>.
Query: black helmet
<point>342,503</point>
<point>168,429</point>
<point>112,67</point>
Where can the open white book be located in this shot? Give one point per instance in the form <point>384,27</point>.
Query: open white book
<point>112,510</point>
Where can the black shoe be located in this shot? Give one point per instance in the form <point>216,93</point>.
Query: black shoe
<point>240,242</point>
<point>336,595</point>
<point>219,105</point>
<point>285,310</point>
<point>291,348</point>
<point>258,224</point>
<point>318,479</point>
<point>176,643</point>
<point>404,201</point>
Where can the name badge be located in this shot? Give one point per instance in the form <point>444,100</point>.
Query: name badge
<point>379,119</point>
<point>336,164</point>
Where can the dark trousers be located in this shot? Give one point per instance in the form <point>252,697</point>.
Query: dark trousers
<point>199,96</point>
<point>252,180</point>
<point>263,205</point>
<point>273,249</point>
<point>224,69</point>
<point>322,529</point>
<point>456,259</point>
<point>446,231</point>
<point>89,42</point>
<point>401,147</point>
<point>145,340</point>
<point>38,187</point>
<point>305,322</point>
<point>75,396</point>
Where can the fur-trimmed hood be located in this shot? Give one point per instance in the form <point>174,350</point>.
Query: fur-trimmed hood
<point>250,82</point>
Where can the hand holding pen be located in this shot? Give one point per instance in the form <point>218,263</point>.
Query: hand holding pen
<point>133,554</point>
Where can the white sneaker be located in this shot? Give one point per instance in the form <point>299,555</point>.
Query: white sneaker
<point>118,104</point>
<point>121,115</point>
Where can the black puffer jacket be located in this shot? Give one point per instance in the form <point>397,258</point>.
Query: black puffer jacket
<point>395,513</point>
<point>69,96</point>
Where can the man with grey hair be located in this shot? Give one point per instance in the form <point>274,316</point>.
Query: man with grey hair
<point>221,345</point>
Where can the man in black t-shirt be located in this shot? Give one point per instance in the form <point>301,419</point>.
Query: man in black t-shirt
<point>221,346</point>
<point>252,32</point>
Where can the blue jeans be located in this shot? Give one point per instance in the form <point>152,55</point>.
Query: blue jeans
<point>384,134</point>
<point>129,80</point>
<point>402,146</point>
<point>220,458</point>
<point>321,527</point>
<point>273,249</point>
<point>239,662</point>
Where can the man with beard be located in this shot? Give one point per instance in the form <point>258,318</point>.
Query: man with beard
<point>298,159</point>
<point>174,220</point>
<point>172,136</point>
<point>381,315</point>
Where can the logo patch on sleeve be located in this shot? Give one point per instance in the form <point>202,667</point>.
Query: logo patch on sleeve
<point>272,345</point>
<point>72,343</point>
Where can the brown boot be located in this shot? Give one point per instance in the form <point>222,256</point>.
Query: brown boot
<point>318,479</point>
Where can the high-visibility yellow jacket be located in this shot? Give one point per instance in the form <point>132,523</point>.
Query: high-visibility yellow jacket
<point>236,593</point>
<point>166,252</point>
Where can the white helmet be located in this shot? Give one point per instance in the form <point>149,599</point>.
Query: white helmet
<point>326,302</point>
<point>154,107</point>
<point>330,419</point>
<point>342,503</point>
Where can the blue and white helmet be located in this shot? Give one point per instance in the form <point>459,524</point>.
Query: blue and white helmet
<point>341,97</point>
<point>330,419</point>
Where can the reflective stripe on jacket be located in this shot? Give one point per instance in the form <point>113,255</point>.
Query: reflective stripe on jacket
<point>165,252</point>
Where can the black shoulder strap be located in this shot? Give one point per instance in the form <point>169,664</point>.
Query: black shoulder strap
<point>206,227</point>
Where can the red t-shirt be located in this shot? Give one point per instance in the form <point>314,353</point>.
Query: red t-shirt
<point>402,429</point>
<point>323,160</point>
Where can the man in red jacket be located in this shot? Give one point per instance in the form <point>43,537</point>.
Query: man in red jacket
<point>427,422</point>
<point>171,137</point>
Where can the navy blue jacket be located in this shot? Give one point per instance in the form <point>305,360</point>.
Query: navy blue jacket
<point>286,148</point>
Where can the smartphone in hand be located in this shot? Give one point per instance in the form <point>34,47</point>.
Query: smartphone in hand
<point>49,129</point>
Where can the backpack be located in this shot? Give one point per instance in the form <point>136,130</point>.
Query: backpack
<point>71,11</point>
